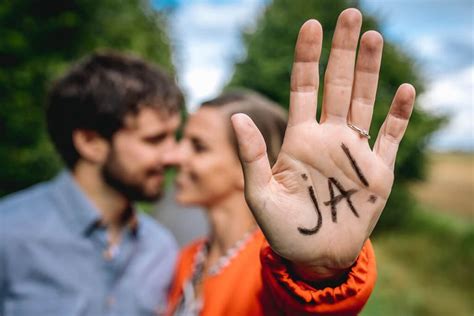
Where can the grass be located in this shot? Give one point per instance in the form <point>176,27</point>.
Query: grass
<point>449,185</point>
<point>426,269</point>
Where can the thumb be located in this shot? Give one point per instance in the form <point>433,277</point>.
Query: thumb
<point>252,152</point>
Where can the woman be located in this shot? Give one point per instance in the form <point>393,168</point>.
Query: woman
<point>316,206</point>
<point>221,275</point>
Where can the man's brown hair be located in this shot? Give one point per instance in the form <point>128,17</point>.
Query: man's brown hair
<point>99,92</point>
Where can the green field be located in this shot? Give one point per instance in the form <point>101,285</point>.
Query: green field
<point>426,268</point>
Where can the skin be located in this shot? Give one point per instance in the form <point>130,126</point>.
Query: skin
<point>139,152</point>
<point>355,166</point>
<point>210,175</point>
<point>344,195</point>
<point>210,170</point>
<point>315,229</point>
<point>135,157</point>
<point>278,196</point>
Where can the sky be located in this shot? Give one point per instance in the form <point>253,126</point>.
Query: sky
<point>438,34</point>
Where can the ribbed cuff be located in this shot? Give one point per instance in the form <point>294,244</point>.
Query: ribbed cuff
<point>296,296</point>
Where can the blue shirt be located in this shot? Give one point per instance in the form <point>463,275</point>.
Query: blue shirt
<point>52,259</point>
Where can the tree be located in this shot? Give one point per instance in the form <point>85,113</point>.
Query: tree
<point>39,40</point>
<point>267,65</point>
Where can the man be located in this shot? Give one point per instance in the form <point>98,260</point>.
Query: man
<point>76,245</point>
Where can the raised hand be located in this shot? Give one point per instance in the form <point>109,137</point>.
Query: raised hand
<point>324,195</point>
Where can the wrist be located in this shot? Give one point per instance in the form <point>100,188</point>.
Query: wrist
<point>319,276</point>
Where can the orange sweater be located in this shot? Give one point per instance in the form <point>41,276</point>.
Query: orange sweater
<point>249,286</point>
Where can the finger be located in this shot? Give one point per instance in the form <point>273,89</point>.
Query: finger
<point>252,152</point>
<point>366,80</point>
<point>340,71</point>
<point>304,74</point>
<point>396,122</point>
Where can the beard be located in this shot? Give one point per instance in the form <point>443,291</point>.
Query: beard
<point>133,188</point>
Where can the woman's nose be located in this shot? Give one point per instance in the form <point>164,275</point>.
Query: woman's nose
<point>175,155</point>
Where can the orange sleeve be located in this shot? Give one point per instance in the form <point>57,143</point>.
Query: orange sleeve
<point>297,297</point>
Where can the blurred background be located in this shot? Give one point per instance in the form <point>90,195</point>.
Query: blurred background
<point>425,238</point>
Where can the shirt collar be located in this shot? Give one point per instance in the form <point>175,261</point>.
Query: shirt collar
<point>78,209</point>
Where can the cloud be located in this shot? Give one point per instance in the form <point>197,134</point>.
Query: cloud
<point>204,83</point>
<point>442,54</point>
<point>206,34</point>
<point>452,95</point>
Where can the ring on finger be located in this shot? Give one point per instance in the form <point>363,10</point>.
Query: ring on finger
<point>359,130</point>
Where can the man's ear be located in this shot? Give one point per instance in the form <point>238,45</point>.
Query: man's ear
<point>91,146</point>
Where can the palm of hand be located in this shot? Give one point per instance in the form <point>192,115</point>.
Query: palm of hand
<point>324,195</point>
<point>327,191</point>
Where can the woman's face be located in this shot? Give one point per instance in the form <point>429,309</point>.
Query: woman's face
<point>209,170</point>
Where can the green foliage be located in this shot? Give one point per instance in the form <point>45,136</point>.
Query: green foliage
<point>267,68</point>
<point>39,40</point>
<point>425,268</point>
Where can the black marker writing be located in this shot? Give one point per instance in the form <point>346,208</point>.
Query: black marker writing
<point>336,199</point>
<point>355,166</point>
<point>372,198</point>
<point>312,231</point>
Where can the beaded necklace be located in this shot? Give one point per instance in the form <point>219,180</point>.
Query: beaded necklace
<point>192,305</point>
<point>222,262</point>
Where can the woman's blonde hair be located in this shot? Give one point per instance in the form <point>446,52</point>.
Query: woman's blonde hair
<point>268,116</point>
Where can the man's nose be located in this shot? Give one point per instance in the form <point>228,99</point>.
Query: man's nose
<point>173,156</point>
